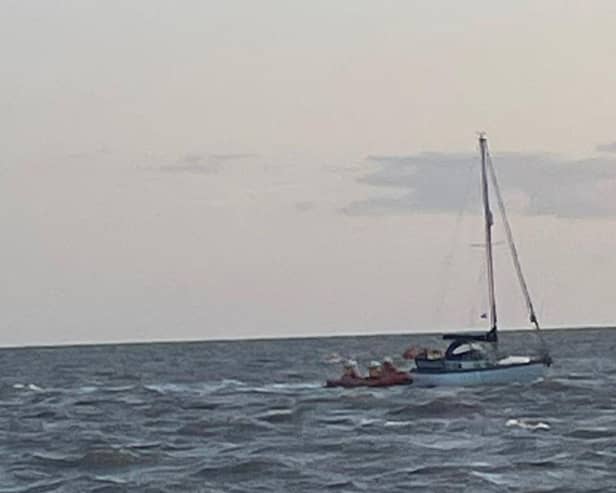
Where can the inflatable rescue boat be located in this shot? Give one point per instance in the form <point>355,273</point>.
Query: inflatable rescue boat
<point>399,378</point>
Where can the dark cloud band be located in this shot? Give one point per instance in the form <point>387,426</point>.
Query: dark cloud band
<point>446,182</point>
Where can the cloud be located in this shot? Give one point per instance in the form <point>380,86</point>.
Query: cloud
<point>206,164</point>
<point>304,206</point>
<point>100,151</point>
<point>611,147</point>
<point>539,184</point>
<point>233,157</point>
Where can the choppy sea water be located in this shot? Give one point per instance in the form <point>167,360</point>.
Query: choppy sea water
<point>252,416</point>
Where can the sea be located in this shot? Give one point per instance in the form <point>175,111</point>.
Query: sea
<point>253,416</point>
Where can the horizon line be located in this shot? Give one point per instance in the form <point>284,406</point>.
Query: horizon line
<point>129,342</point>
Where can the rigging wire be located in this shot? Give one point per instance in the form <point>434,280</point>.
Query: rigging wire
<point>444,284</point>
<point>515,257</point>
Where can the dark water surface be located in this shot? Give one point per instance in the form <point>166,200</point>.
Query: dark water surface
<point>252,416</point>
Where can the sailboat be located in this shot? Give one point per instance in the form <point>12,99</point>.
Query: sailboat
<point>474,358</point>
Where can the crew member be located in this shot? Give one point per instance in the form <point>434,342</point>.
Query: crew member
<point>388,367</point>
<point>351,370</point>
<point>375,370</point>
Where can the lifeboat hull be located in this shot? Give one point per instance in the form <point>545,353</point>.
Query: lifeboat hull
<point>402,378</point>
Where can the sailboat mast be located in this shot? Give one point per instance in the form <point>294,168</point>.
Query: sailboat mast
<point>487,214</point>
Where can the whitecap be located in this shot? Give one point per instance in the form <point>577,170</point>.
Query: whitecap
<point>527,424</point>
<point>195,388</point>
<point>397,423</point>
<point>87,389</point>
<point>494,478</point>
<point>281,388</point>
<point>110,479</point>
<point>29,386</point>
<point>164,388</point>
<point>275,415</point>
<point>296,386</point>
<point>332,358</point>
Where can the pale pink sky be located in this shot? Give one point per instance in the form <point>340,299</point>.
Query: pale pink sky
<point>194,170</point>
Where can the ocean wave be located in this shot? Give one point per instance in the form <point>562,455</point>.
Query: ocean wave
<point>399,424</point>
<point>143,445</point>
<point>54,459</point>
<point>201,405</point>
<point>93,401</point>
<point>201,388</point>
<point>87,389</point>
<point>278,416</point>
<point>45,414</point>
<point>597,433</point>
<point>119,388</point>
<point>528,424</point>
<point>96,458</point>
<point>209,417</point>
<point>337,420</point>
<point>332,359</point>
<point>345,485</point>
<point>437,408</point>
<point>165,388</point>
<point>108,457</point>
<point>49,484</point>
<point>497,479</point>
<point>243,467</point>
<point>284,388</point>
<point>28,386</point>
<point>198,428</point>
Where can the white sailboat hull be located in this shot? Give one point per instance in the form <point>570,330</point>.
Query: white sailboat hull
<point>498,374</point>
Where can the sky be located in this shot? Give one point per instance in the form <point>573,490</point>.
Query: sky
<point>206,170</point>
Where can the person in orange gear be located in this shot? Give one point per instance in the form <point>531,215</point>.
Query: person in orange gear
<point>350,370</point>
<point>412,352</point>
<point>388,367</point>
<point>374,370</point>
